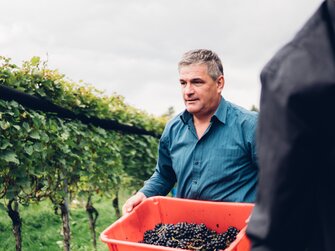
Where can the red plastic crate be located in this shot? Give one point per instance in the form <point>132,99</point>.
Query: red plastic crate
<point>125,233</point>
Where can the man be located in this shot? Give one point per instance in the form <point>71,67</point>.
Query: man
<point>295,207</point>
<point>209,149</point>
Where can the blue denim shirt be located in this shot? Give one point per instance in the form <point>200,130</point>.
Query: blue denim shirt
<point>221,166</point>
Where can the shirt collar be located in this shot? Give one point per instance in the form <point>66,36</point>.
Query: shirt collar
<point>220,113</point>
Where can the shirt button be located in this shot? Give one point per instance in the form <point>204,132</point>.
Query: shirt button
<point>195,182</point>
<point>196,163</point>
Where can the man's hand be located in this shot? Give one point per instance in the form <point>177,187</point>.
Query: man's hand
<point>133,202</point>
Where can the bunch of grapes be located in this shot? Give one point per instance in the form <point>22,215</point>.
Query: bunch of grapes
<point>189,236</point>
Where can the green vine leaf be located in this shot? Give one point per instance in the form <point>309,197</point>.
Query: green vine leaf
<point>9,157</point>
<point>29,150</point>
<point>4,144</point>
<point>34,134</point>
<point>35,61</point>
<point>4,125</point>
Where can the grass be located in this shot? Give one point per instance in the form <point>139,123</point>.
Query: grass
<point>41,227</point>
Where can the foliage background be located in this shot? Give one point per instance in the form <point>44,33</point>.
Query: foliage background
<point>46,157</point>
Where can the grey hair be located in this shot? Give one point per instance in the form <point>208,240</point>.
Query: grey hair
<point>203,56</point>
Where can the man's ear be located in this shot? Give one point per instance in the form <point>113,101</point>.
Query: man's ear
<point>220,83</point>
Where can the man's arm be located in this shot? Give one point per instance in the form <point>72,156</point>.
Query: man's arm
<point>160,183</point>
<point>164,177</point>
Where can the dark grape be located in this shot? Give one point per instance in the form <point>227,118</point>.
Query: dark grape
<point>189,236</point>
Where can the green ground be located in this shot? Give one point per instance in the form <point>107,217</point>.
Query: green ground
<point>41,228</point>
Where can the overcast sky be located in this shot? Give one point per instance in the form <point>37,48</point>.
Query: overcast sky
<point>132,47</point>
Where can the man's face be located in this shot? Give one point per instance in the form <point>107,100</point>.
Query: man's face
<point>201,93</point>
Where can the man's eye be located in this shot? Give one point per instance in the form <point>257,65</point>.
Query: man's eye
<point>182,83</point>
<point>197,83</point>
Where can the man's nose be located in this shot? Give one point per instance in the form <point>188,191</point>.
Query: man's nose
<point>188,89</point>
